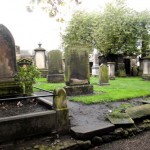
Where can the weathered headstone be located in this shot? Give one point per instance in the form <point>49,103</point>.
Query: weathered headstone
<point>8,69</point>
<point>121,70</point>
<point>95,67</point>
<point>103,75</point>
<point>111,70</point>
<point>55,68</point>
<point>77,71</point>
<point>146,68</point>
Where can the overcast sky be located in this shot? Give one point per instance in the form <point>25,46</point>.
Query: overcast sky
<point>28,29</point>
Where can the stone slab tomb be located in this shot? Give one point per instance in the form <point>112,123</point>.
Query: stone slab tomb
<point>77,70</point>
<point>55,67</point>
<point>8,69</point>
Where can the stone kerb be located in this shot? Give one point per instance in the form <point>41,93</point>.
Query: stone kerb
<point>103,75</point>
<point>77,70</point>
<point>62,112</point>
<point>55,67</point>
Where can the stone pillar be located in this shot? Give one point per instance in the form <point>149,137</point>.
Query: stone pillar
<point>95,67</point>
<point>62,112</point>
<point>146,68</point>
<point>103,75</point>
<point>121,70</point>
<point>77,71</point>
<point>55,67</point>
<point>111,70</point>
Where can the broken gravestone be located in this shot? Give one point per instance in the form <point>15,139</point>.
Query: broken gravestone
<point>55,68</point>
<point>77,70</point>
<point>8,69</point>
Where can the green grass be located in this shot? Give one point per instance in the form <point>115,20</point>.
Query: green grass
<point>119,89</point>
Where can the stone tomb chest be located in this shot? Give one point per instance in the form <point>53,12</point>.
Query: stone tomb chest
<point>8,69</point>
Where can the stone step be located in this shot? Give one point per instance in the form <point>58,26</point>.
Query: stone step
<point>89,131</point>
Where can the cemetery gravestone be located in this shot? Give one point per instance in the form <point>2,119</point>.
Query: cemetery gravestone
<point>55,68</point>
<point>111,70</point>
<point>103,75</point>
<point>8,69</point>
<point>95,67</point>
<point>146,68</point>
<point>77,70</point>
<point>121,70</point>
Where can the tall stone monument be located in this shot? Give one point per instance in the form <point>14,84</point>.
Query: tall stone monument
<point>103,75</point>
<point>8,69</point>
<point>55,67</point>
<point>77,71</point>
<point>146,68</point>
<point>111,70</point>
<point>95,67</point>
<point>40,60</point>
<point>40,57</point>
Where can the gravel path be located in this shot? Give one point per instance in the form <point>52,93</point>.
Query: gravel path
<point>138,142</point>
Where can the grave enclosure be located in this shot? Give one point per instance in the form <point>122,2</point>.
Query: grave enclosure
<point>21,122</point>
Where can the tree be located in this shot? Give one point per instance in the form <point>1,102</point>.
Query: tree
<point>81,29</point>
<point>117,32</point>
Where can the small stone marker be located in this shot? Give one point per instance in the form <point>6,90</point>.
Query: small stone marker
<point>62,112</point>
<point>103,75</point>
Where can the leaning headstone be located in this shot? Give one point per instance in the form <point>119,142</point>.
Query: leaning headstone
<point>8,69</point>
<point>146,68</point>
<point>103,75</point>
<point>95,67</point>
<point>77,70</point>
<point>111,70</point>
<point>55,67</point>
<point>121,70</point>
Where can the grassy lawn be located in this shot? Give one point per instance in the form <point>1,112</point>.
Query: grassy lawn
<point>119,89</point>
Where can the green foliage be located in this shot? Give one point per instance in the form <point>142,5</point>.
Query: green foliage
<point>81,29</point>
<point>118,111</point>
<point>26,76</point>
